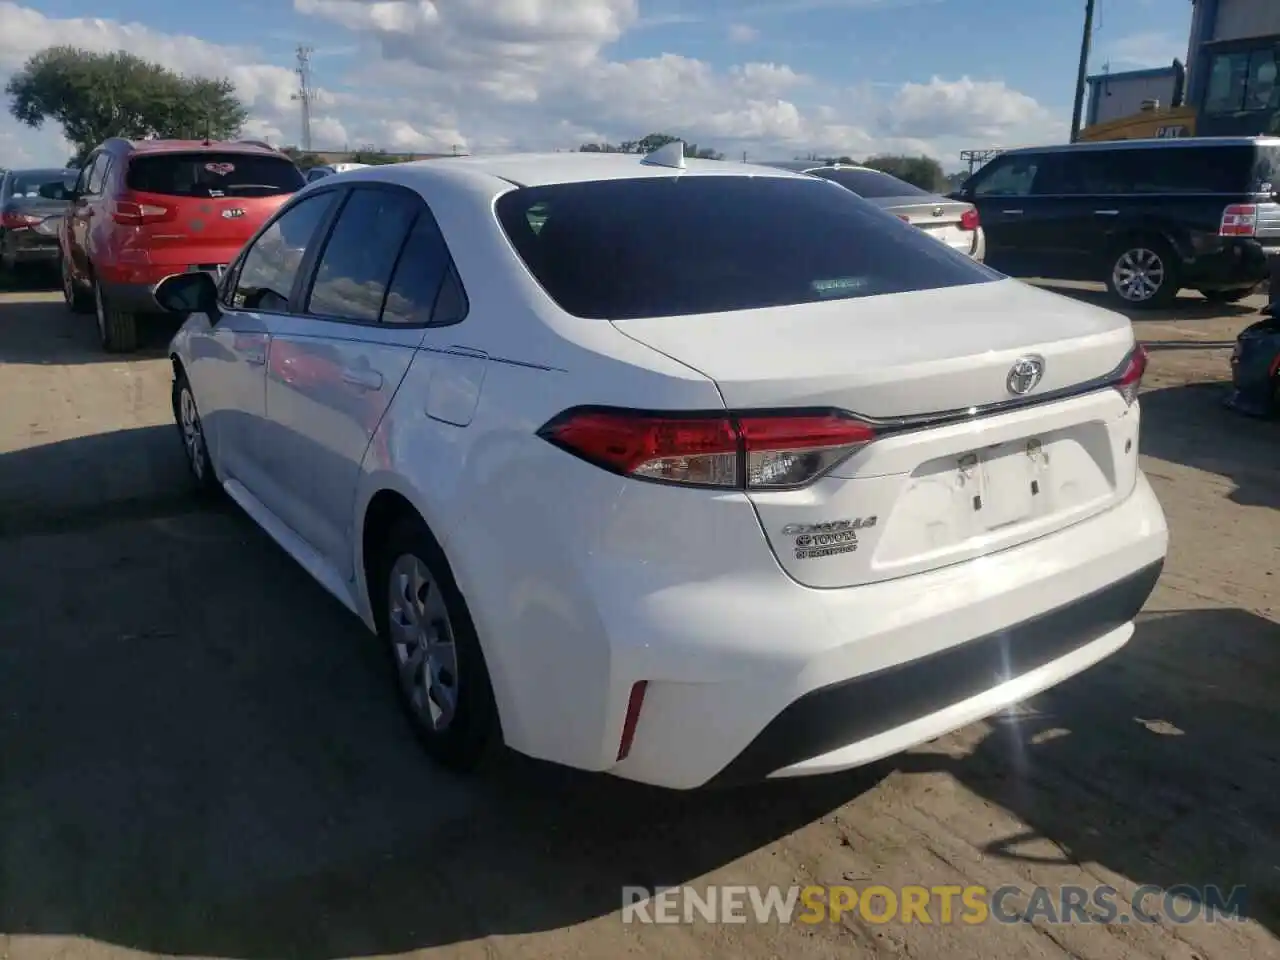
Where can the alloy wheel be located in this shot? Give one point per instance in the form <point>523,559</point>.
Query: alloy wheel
<point>192,432</point>
<point>1138,274</point>
<point>100,311</point>
<point>422,642</point>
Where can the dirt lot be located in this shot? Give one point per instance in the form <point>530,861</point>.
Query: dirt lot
<point>199,753</point>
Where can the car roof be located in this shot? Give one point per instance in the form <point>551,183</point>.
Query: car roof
<point>542,169</point>
<point>1161,143</point>
<point>199,146</point>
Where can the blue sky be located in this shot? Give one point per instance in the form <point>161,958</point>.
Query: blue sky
<point>759,75</point>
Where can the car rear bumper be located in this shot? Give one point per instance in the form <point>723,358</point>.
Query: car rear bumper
<point>26,247</point>
<point>811,681</point>
<point>1231,266</point>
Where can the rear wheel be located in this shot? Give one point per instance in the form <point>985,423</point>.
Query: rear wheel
<point>187,416</point>
<point>118,329</point>
<point>1226,296</point>
<point>1143,273</point>
<point>440,672</point>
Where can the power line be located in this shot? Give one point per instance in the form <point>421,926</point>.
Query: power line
<point>306,94</point>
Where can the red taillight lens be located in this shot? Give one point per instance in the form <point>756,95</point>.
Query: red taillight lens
<point>135,214</point>
<point>1131,373</point>
<point>747,451</point>
<point>12,220</point>
<point>1239,220</point>
<point>635,703</point>
<point>903,217</point>
<point>969,220</point>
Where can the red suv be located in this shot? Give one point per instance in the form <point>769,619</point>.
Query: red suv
<point>145,209</point>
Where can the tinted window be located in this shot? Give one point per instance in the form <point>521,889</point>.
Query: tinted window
<point>1244,80</point>
<point>98,174</point>
<point>871,184</point>
<point>668,246</point>
<point>268,269</point>
<point>357,261</point>
<point>415,288</point>
<point>213,174</point>
<point>1008,176</point>
<point>29,184</point>
<point>1178,170</point>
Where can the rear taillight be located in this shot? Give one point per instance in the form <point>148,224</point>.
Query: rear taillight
<point>969,220</point>
<point>903,217</point>
<point>752,451</point>
<point>1239,220</point>
<point>1130,378</point>
<point>136,214</point>
<point>12,220</point>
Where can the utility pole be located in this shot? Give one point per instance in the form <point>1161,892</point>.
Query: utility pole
<point>305,94</point>
<point>1083,70</point>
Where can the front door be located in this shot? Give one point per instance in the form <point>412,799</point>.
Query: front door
<point>1013,215</point>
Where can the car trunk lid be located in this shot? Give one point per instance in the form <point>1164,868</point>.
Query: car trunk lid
<point>937,217</point>
<point>940,483</point>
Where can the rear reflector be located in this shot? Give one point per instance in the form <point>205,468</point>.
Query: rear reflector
<point>969,220</point>
<point>755,451</point>
<point>1239,220</point>
<point>1130,379</point>
<point>634,705</point>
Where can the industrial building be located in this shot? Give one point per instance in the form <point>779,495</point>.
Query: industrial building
<point>1116,95</point>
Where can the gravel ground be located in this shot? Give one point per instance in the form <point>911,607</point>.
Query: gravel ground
<point>199,753</point>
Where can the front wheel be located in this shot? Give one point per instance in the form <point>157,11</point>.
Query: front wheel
<point>191,429</point>
<point>1143,274</point>
<point>440,672</point>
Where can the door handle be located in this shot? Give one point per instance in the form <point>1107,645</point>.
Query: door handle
<point>362,379</point>
<point>1012,213</point>
<point>1107,213</point>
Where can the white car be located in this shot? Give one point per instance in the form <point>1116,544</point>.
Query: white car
<point>329,169</point>
<point>690,472</point>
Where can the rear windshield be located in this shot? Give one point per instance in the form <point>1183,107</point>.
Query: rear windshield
<point>211,174</point>
<point>669,246</point>
<point>871,184</point>
<point>46,184</point>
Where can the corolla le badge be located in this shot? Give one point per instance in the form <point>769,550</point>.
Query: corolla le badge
<point>1024,375</point>
<point>937,211</point>
<point>233,213</point>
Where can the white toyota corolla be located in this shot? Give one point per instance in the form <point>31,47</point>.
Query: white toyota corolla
<point>689,472</point>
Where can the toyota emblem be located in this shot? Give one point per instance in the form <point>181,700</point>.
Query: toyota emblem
<point>1024,375</point>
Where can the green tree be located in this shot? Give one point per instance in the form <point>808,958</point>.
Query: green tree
<point>650,143</point>
<point>94,96</point>
<point>923,172</point>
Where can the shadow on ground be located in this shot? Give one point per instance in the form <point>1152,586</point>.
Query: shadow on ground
<point>1161,764</point>
<point>39,329</point>
<point>1189,425</point>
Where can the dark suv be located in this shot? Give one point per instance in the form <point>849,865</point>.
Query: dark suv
<point>1147,217</point>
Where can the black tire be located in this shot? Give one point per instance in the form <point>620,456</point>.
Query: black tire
<point>1144,255</point>
<point>117,329</point>
<point>472,732</point>
<point>197,448</point>
<point>1227,296</point>
<point>77,299</point>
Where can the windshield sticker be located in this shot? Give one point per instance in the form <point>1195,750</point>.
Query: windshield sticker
<point>839,286</point>
<point>221,169</point>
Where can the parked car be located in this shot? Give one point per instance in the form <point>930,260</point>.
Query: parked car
<point>1255,369</point>
<point>31,205</point>
<point>329,169</point>
<point>678,470</point>
<point>954,222</point>
<point>142,210</point>
<point>1147,217</point>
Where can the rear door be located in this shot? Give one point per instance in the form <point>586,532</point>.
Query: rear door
<point>197,209</point>
<point>337,362</point>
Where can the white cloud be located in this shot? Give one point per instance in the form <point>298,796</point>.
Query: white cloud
<point>537,74</point>
<point>742,33</point>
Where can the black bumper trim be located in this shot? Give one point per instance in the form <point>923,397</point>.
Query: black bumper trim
<point>843,713</point>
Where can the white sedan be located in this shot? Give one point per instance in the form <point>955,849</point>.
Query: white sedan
<point>691,472</point>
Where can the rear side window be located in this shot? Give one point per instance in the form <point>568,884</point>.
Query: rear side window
<point>415,295</point>
<point>355,267</point>
<point>871,184</point>
<point>213,174</point>
<point>667,246</point>
<point>1167,170</point>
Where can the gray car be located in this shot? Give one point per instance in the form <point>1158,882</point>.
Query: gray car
<point>32,203</point>
<point>954,222</point>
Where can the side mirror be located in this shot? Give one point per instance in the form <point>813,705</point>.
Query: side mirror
<point>189,293</point>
